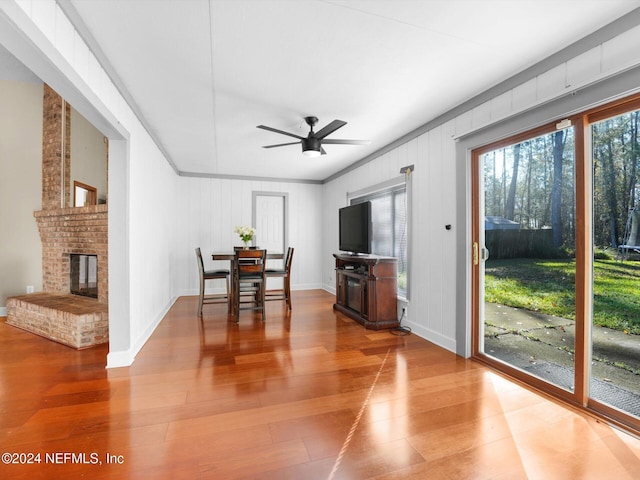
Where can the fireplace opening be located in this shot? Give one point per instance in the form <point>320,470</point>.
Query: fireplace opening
<point>84,275</point>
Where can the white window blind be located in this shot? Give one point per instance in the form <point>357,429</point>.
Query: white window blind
<point>389,226</point>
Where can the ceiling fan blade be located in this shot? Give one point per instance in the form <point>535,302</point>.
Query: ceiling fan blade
<point>346,142</point>
<point>281,145</point>
<point>271,129</point>
<point>330,128</point>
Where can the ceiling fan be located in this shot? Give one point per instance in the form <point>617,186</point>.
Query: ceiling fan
<point>312,143</point>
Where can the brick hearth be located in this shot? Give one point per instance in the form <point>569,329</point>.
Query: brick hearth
<point>72,320</point>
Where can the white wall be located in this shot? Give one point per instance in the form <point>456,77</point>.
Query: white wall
<point>212,207</point>
<point>152,235</point>
<point>439,307</point>
<point>20,159</point>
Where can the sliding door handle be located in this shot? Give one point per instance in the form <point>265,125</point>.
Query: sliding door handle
<point>479,253</point>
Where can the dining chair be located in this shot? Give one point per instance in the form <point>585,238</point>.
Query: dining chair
<point>249,281</point>
<point>285,274</point>
<point>212,275</point>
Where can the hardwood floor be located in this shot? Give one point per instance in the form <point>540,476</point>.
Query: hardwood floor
<point>312,395</point>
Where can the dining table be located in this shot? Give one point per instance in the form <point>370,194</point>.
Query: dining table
<point>231,257</point>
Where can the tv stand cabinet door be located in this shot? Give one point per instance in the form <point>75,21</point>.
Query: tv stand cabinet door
<point>341,288</point>
<point>378,289</point>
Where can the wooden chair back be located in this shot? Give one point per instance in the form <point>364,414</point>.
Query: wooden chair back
<point>288,260</point>
<point>250,262</point>
<point>200,262</point>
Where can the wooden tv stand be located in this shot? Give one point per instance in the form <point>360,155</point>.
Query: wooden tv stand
<point>366,289</point>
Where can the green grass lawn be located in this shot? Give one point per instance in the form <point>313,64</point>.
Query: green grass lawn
<point>548,286</point>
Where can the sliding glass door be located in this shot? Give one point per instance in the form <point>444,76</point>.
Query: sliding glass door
<point>556,258</point>
<point>526,255</point>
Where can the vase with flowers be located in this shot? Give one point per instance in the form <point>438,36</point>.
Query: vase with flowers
<point>246,234</point>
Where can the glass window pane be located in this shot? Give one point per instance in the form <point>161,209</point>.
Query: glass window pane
<point>615,330</point>
<point>382,227</point>
<point>529,277</point>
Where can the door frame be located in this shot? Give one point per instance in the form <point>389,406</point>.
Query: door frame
<point>285,213</point>
<point>579,395</point>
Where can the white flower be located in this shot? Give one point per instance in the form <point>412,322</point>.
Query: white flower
<point>246,233</point>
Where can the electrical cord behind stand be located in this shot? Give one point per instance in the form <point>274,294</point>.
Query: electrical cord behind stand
<point>400,330</point>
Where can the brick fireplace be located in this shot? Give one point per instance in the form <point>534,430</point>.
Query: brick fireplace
<point>66,231</point>
<point>56,313</point>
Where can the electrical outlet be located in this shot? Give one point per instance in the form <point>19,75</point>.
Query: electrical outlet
<point>30,289</point>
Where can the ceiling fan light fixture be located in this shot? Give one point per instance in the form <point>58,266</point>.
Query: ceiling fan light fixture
<point>311,147</point>
<point>311,153</point>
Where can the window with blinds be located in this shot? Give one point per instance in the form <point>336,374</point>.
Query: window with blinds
<point>389,227</point>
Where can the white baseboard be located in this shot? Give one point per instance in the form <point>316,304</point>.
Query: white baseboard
<point>330,289</point>
<point>307,286</point>
<point>125,358</point>
<point>120,359</point>
<point>431,336</point>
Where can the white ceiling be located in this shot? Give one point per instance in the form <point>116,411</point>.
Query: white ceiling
<point>204,73</point>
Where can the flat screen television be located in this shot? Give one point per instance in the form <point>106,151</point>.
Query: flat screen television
<point>355,228</point>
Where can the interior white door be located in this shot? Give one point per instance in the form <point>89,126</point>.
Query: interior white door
<point>270,223</point>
